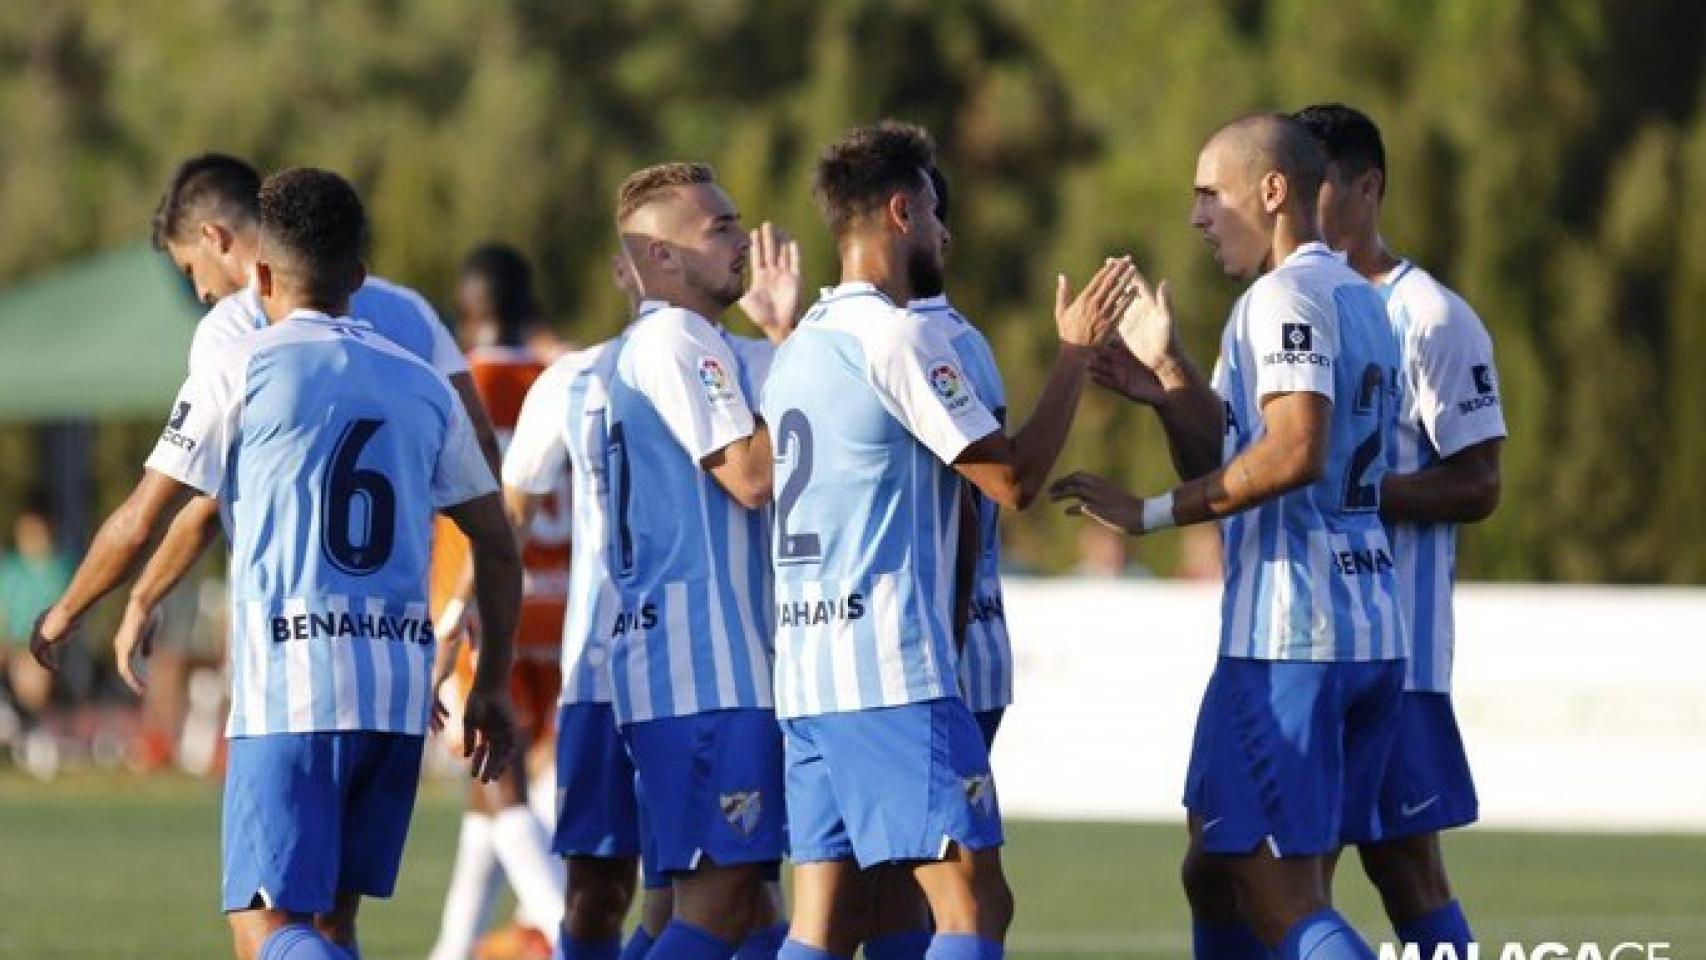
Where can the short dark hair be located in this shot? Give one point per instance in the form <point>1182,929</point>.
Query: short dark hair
<point>508,280</point>
<point>647,184</point>
<point>313,219</point>
<point>858,173</point>
<point>1349,137</point>
<point>940,182</point>
<point>204,187</point>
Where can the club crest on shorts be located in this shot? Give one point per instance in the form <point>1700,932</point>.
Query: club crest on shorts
<point>715,379</point>
<point>742,809</point>
<point>949,385</point>
<point>980,793</point>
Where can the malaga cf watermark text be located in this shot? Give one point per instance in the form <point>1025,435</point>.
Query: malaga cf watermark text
<point>1545,950</point>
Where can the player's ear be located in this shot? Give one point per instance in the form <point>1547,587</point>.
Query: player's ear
<point>263,278</point>
<point>1373,184</point>
<point>215,236</point>
<point>1274,190</point>
<point>899,211</point>
<point>662,254</point>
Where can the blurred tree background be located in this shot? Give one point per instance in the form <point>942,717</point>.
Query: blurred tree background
<point>1548,159</point>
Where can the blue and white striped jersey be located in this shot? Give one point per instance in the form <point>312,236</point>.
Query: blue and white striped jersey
<point>329,449</point>
<point>1309,575</point>
<point>562,422</point>
<point>689,562</point>
<point>399,314</point>
<point>986,659</point>
<point>868,407</point>
<point>1451,403</point>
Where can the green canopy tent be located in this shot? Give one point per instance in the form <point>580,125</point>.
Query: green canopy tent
<point>100,339</point>
<point>106,337</point>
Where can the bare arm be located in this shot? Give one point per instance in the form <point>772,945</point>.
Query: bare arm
<point>484,432</point>
<point>1192,414</point>
<point>1148,366</point>
<point>111,557</point>
<point>488,726</point>
<point>1012,471</point>
<point>1463,488</point>
<point>1291,454</point>
<point>743,468</point>
<point>192,530</point>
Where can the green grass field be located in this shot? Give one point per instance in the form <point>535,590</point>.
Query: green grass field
<point>97,868</point>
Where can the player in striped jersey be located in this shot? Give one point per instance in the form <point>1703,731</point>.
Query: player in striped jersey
<point>688,472</point>
<point>207,223</point>
<point>496,311</point>
<point>1288,448</point>
<point>875,425</point>
<point>1445,471</point>
<point>561,427</point>
<point>329,448</point>
<point>986,654</point>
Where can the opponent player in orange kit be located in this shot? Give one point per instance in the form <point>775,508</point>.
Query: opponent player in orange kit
<point>496,315</point>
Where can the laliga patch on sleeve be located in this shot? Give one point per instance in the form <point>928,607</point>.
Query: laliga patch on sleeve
<point>718,382</point>
<point>950,385</point>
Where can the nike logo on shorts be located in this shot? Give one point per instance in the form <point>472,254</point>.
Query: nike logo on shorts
<point>1409,810</point>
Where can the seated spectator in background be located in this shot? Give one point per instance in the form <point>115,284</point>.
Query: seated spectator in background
<point>32,575</point>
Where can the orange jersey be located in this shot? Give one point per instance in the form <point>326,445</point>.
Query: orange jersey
<point>502,377</point>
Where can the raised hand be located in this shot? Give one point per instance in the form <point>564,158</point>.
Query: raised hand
<point>772,299</point>
<point>1146,328</point>
<point>488,733</point>
<point>1087,495</point>
<point>133,644</point>
<point>1114,368</point>
<point>1086,320</point>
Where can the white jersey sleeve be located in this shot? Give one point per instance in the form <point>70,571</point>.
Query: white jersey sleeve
<point>228,320</point>
<point>447,357</point>
<point>1294,341</point>
<point>917,376</point>
<point>443,354</point>
<point>1456,387</point>
<point>195,448</point>
<point>460,474</point>
<point>537,452</point>
<point>693,381</point>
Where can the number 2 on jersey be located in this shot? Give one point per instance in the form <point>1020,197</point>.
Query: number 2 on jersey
<point>1361,496</point>
<point>794,442</point>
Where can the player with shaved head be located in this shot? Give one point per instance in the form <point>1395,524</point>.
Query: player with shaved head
<point>1287,447</point>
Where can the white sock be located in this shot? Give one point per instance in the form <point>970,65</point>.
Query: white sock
<point>534,874</point>
<point>473,884</point>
